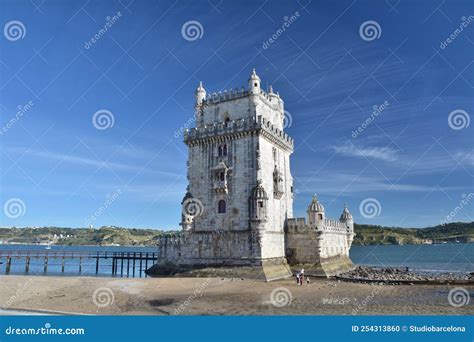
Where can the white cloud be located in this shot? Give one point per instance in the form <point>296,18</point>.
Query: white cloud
<point>381,153</point>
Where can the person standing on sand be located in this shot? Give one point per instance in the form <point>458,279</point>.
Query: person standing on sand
<point>300,277</point>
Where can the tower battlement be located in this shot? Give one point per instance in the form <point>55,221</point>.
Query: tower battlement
<point>225,130</point>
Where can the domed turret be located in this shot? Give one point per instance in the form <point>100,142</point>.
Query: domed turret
<point>315,211</point>
<point>346,215</point>
<point>258,204</point>
<point>315,205</point>
<point>254,83</point>
<point>259,192</point>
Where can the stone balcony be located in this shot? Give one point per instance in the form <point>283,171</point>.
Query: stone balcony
<point>220,187</point>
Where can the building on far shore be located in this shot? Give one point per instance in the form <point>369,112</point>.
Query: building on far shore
<point>237,216</point>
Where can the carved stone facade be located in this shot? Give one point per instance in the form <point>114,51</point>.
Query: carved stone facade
<point>238,207</point>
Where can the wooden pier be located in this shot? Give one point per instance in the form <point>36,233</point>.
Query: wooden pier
<point>126,260</point>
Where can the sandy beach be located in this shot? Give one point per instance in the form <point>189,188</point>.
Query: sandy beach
<point>221,296</point>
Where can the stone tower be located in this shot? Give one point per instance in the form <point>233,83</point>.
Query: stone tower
<point>239,172</point>
<point>238,208</point>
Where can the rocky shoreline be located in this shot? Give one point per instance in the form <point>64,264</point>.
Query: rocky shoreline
<point>395,276</point>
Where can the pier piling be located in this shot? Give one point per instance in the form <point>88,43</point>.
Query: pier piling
<point>9,264</point>
<point>27,265</point>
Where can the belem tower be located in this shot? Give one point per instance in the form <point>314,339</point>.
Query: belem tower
<point>237,216</point>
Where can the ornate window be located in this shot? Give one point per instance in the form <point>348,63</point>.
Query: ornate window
<point>222,150</point>
<point>277,183</point>
<point>258,204</point>
<point>221,207</point>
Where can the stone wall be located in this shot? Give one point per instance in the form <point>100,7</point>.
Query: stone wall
<point>209,248</point>
<point>311,243</point>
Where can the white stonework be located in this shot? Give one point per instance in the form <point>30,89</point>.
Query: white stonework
<point>238,209</point>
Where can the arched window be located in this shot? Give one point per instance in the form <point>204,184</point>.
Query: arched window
<point>226,121</point>
<point>221,207</point>
<point>222,150</point>
<point>222,176</point>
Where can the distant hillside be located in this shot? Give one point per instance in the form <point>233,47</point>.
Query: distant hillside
<point>375,235</point>
<point>107,236</point>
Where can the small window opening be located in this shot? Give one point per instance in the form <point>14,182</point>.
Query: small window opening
<point>221,207</point>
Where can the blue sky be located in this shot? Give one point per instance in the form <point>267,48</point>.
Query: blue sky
<point>144,72</point>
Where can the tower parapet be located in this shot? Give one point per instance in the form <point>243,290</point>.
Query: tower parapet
<point>222,131</point>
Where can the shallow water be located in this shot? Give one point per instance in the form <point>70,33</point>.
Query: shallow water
<point>449,257</point>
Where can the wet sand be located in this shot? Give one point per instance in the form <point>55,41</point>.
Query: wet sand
<point>221,296</point>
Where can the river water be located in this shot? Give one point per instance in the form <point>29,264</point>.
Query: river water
<point>457,257</point>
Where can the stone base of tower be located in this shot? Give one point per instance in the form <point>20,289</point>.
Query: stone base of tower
<point>265,269</point>
<point>327,267</point>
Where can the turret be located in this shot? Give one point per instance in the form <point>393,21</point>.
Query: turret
<point>346,218</point>
<point>200,94</point>
<point>315,212</point>
<point>186,217</point>
<point>254,83</point>
<point>258,205</point>
<point>273,96</point>
<point>277,101</point>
